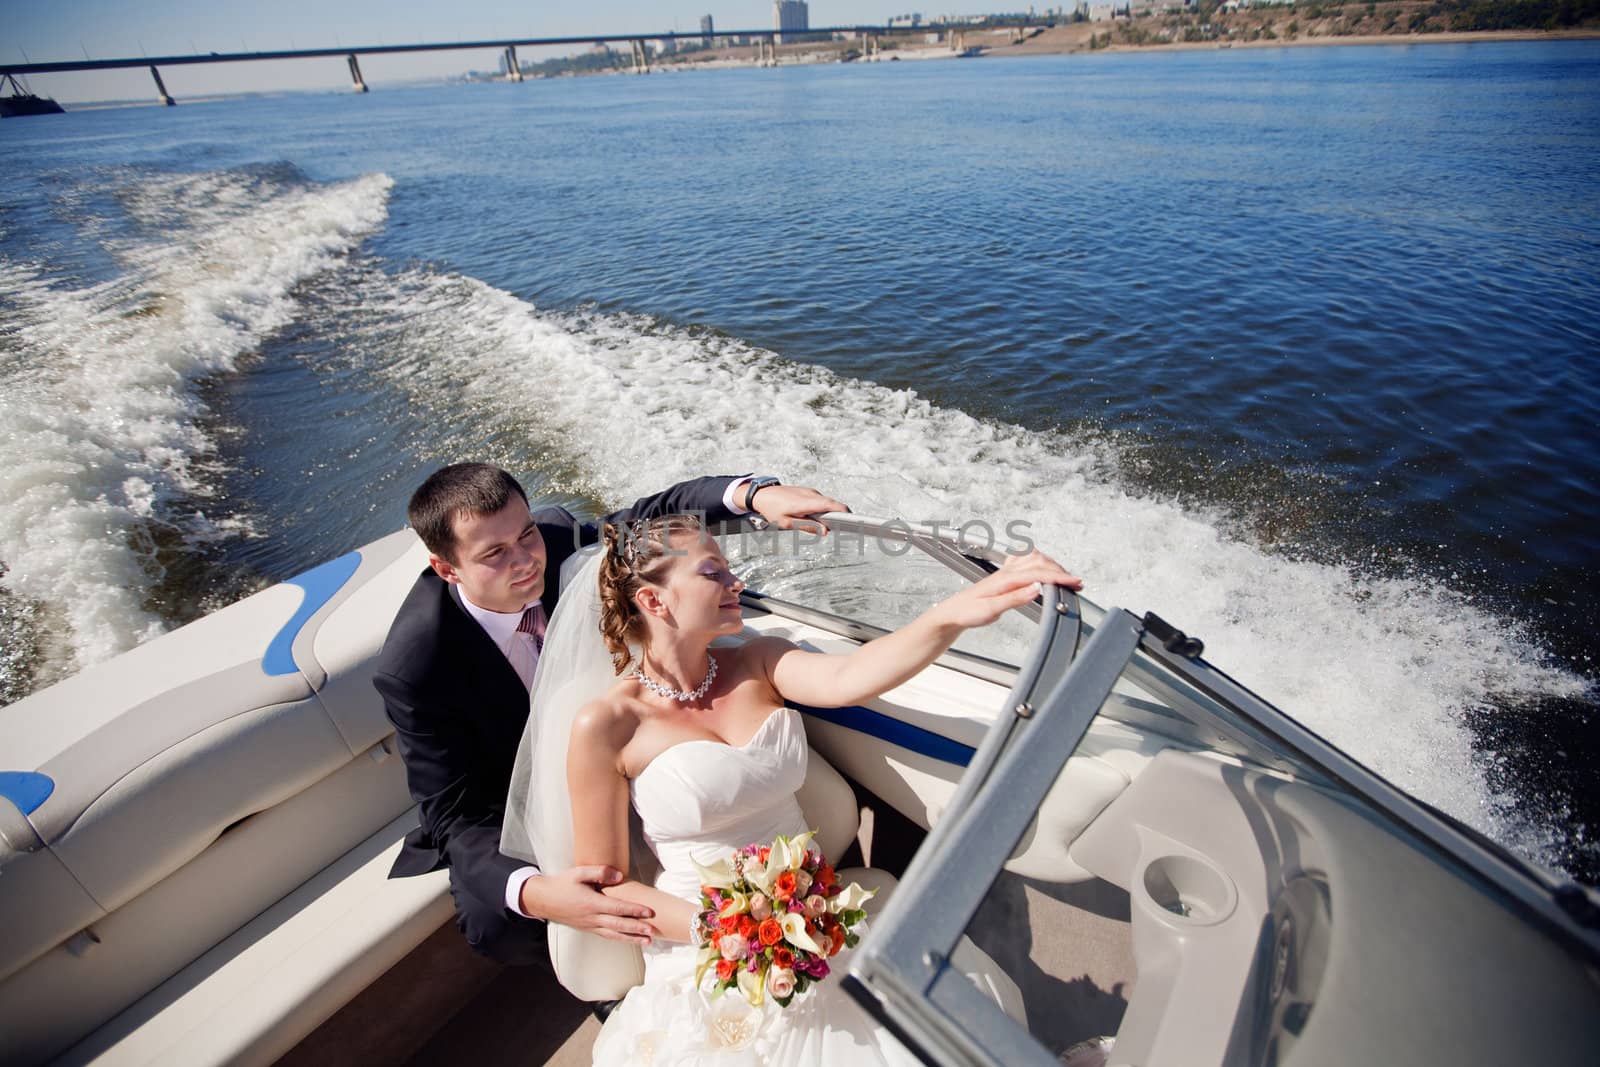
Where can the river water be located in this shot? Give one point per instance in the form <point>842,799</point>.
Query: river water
<point>1297,347</point>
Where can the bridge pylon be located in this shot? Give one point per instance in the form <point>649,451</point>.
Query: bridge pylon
<point>161,89</point>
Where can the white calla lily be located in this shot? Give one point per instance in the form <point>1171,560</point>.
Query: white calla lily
<point>850,898</point>
<point>753,986</point>
<point>737,904</point>
<point>719,875</point>
<point>760,876</point>
<point>794,932</point>
<point>789,854</point>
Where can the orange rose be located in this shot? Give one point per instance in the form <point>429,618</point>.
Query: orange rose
<point>770,932</point>
<point>835,931</point>
<point>725,969</point>
<point>782,957</point>
<point>728,924</point>
<point>747,927</point>
<point>765,854</point>
<point>825,877</point>
<point>785,885</point>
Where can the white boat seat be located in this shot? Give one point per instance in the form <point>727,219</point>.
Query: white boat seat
<point>250,999</point>
<point>594,968</point>
<point>183,788</point>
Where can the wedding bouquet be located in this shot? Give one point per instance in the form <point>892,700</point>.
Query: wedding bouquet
<point>773,915</point>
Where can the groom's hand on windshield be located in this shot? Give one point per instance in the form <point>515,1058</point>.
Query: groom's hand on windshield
<point>791,507</point>
<point>573,898</point>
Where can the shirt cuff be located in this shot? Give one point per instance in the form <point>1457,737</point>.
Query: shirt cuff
<point>514,884</point>
<point>729,500</point>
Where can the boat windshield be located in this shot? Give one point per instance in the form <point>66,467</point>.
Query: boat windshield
<point>1144,856</point>
<point>882,573</point>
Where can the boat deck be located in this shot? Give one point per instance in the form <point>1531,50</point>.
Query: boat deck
<point>1067,946</point>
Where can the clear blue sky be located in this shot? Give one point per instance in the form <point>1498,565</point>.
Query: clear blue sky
<point>45,30</point>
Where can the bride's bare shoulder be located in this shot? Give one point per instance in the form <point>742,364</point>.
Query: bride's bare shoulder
<point>760,653</point>
<point>608,722</point>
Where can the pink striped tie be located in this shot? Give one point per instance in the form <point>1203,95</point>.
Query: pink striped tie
<point>532,624</point>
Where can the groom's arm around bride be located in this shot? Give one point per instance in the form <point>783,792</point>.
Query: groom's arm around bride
<point>454,674</point>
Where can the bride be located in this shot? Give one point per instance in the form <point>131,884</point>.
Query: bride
<point>699,743</point>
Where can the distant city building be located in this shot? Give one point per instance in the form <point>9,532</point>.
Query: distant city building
<point>706,30</point>
<point>790,18</point>
<point>913,19</point>
<point>666,46</point>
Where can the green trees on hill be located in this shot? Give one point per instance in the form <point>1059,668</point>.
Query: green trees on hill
<point>1515,14</point>
<point>1462,15</point>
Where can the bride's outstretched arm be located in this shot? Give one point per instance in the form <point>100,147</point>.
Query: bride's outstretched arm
<point>599,791</point>
<point>879,665</point>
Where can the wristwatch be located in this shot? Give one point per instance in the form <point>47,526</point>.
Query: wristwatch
<point>755,486</point>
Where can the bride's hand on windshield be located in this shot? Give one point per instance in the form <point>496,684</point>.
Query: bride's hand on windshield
<point>573,898</point>
<point>1019,580</point>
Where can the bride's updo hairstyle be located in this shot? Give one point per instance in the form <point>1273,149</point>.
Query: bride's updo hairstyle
<point>634,554</point>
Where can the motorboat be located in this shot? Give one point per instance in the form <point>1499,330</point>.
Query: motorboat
<point>195,838</point>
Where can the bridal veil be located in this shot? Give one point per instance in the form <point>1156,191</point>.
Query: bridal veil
<point>574,668</point>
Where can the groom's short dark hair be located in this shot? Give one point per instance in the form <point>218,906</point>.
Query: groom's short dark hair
<point>461,488</point>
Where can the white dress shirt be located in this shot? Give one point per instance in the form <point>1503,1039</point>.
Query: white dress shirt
<point>523,654</point>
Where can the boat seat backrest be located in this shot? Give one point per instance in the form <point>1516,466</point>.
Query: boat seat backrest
<point>594,968</point>
<point>147,768</point>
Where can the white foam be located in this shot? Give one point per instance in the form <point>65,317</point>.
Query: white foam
<point>1384,668</point>
<point>99,429</point>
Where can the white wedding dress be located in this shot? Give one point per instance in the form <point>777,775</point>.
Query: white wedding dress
<point>697,801</point>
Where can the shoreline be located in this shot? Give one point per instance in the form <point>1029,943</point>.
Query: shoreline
<point>1447,37</point>
<point>1075,39</point>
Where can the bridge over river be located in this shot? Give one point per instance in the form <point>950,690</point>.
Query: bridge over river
<point>766,42</point>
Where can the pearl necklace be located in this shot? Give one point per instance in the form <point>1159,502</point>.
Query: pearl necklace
<point>675,694</point>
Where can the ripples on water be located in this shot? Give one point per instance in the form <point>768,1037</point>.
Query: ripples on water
<point>1296,347</point>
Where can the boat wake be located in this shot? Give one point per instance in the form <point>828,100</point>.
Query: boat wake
<point>103,463</point>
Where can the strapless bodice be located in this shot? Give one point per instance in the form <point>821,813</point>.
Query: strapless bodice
<point>700,800</point>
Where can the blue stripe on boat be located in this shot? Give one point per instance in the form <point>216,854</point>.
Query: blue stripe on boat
<point>876,724</point>
<point>26,789</point>
<point>319,583</point>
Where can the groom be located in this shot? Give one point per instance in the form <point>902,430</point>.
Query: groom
<point>454,675</point>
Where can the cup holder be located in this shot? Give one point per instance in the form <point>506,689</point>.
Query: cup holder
<point>1189,890</point>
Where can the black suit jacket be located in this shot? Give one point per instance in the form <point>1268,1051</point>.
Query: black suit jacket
<point>459,708</point>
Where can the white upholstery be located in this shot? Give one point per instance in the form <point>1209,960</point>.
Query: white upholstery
<point>594,968</point>
<point>192,790</point>
<point>253,997</point>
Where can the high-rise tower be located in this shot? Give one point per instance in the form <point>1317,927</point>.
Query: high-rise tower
<point>790,18</point>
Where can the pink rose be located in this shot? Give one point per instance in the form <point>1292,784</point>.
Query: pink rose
<point>802,882</point>
<point>780,982</point>
<point>733,947</point>
<point>824,942</point>
<point>815,906</point>
<point>760,907</point>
